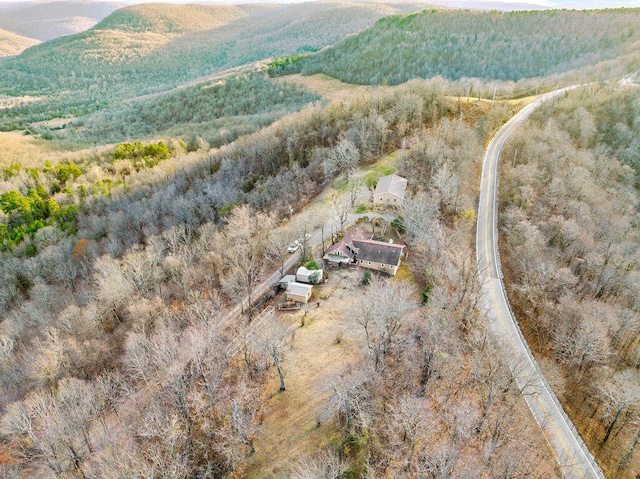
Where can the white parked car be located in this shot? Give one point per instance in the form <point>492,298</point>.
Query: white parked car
<point>293,247</point>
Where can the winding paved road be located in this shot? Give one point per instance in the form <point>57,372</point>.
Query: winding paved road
<point>571,453</point>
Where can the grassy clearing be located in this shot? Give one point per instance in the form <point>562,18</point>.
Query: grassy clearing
<point>32,152</point>
<point>296,424</point>
<point>367,175</point>
<point>383,167</point>
<point>320,210</point>
<point>327,87</point>
<point>29,152</point>
<point>13,44</point>
<point>405,273</point>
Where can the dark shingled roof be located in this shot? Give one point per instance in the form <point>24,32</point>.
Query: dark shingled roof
<point>379,252</point>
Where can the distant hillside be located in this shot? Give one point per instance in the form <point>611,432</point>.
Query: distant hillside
<point>151,48</point>
<point>12,44</point>
<point>487,45</point>
<point>217,111</point>
<point>177,19</point>
<point>47,20</point>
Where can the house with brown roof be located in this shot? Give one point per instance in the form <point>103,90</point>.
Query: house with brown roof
<point>343,252</point>
<point>390,190</point>
<point>378,255</point>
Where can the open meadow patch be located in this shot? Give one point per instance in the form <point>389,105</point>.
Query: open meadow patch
<point>297,421</point>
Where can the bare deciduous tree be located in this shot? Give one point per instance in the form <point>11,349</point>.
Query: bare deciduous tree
<point>279,240</point>
<point>620,399</point>
<point>381,312</point>
<point>235,436</point>
<point>245,242</point>
<point>411,418</point>
<point>339,209</point>
<point>273,343</point>
<point>492,379</point>
<point>344,157</point>
<point>349,393</point>
<point>355,189</point>
<point>324,465</point>
<point>440,463</point>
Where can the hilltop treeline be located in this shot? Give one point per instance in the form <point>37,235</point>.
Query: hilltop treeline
<point>570,196</point>
<point>488,45</point>
<point>218,112</point>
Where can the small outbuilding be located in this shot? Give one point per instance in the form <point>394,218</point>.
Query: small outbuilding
<point>299,292</point>
<point>284,282</point>
<point>390,190</point>
<point>311,276</point>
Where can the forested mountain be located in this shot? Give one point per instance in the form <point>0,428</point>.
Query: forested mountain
<point>487,45</point>
<point>12,44</point>
<point>216,112</point>
<point>165,18</point>
<point>47,20</point>
<point>150,48</point>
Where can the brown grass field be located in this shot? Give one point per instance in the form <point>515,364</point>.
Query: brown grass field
<point>328,87</point>
<point>27,151</point>
<point>294,424</point>
<point>32,152</point>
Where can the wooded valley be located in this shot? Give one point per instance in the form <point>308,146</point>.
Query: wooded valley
<point>148,49</point>
<point>76,344</point>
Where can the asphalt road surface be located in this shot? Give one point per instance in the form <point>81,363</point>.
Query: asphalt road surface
<point>571,453</point>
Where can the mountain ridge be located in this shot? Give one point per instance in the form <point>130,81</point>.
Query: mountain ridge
<point>470,44</point>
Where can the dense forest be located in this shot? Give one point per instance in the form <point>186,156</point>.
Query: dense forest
<point>114,339</point>
<point>570,194</point>
<point>217,112</point>
<point>488,45</point>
